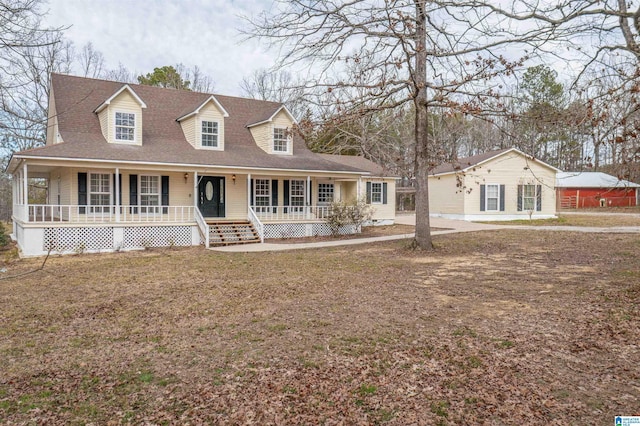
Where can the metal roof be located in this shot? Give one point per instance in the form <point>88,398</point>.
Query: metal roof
<point>591,180</point>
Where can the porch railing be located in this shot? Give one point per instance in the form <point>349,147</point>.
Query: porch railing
<point>253,218</point>
<point>52,213</point>
<point>291,213</point>
<point>202,225</point>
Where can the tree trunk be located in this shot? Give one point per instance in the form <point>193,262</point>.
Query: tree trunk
<point>421,164</point>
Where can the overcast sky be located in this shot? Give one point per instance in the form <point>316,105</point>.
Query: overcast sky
<point>143,34</point>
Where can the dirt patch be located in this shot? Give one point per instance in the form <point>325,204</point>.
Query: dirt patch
<point>367,232</point>
<point>500,327</point>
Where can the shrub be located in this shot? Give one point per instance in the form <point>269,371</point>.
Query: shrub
<point>4,238</point>
<point>341,214</point>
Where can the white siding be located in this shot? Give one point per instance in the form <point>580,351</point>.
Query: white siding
<point>444,196</point>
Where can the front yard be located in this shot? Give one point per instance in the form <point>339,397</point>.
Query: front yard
<point>500,327</point>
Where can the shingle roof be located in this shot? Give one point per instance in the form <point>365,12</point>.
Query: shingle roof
<point>163,140</point>
<point>463,164</point>
<point>591,180</point>
<point>357,162</point>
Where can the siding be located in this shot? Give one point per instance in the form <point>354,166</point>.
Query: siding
<point>509,170</point>
<point>124,102</point>
<point>52,121</point>
<point>210,113</point>
<point>189,129</point>
<point>236,197</point>
<point>263,134</point>
<point>444,196</point>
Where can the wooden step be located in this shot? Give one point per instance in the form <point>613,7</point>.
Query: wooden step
<point>226,232</point>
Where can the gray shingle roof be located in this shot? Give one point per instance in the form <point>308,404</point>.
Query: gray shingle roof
<point>162,139</point>
<point>591,180</point>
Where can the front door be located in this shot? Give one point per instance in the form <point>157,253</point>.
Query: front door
<point>211,196</point>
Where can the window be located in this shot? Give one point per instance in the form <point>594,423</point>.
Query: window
<point>325,192</point>
<point>493,194</point>
<point>376,192</point>
<point>280,140</point>
<point>100,189</point>
<point>149,192</point>
<point>528,197</point>
<point>262,192</point>
<point>297,192</point>
<point>210,134</point>
<point>125,126</point>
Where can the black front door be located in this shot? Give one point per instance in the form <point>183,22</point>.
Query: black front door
<point>211,196</point>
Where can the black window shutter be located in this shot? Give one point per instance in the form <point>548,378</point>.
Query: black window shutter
<point>501,198</point>
<point>165,194</point>
<point>82,192</point>
<point>368,192</point>
<point>520,188</point>
<point>384,193</point>
<point>274,195</point>
<point>482,197</point>
<point>133,192</point>
<point>310,193</point>
<point>539,198</point>
<point>251,193</point>
<point>286,201</point>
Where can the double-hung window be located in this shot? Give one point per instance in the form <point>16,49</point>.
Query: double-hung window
<point>262,193</point>
<point>528,197</point>
<point>125,126</point>
<point>376,192</point>
<point>209,134</point>
<point>280,140</point>
<point>297,194</point>
<point>149,194</point>
<point>99,192</point>
<point>325,193</point>
<point>493,197</point>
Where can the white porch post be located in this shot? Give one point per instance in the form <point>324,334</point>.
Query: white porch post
<point>117,194</point>
<point>308,194</point>
<point>195,190</point>
<point>358,187</point>
<point>248,193</point>
<point>25,192</point>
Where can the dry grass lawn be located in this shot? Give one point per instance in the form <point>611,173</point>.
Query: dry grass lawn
<point>602,220</point>
<point>504,327</point>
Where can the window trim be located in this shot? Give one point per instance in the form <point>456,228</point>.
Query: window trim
<point>287,139</point>
<point>381,192</point>
<point>90,192</point>
<point>486,197</point>
<point>255,194</point>
<point>218,146</point>
<point>534,197</point>
<point>301,198</point>
<point>141,194</point>
<point>322,193</point>
<point>135,127</point>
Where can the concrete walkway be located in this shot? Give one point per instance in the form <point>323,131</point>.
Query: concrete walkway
<point>448,226</point>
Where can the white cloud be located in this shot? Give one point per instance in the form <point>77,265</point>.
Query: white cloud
<point>144,34</point>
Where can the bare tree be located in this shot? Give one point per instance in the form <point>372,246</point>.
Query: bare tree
<point>426,53</point>
<point>276,86</point>
<point>90,61</point>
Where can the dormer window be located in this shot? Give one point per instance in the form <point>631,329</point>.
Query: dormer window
<point>280,140</point>
<point>209,134</point>
<point>125,127</point>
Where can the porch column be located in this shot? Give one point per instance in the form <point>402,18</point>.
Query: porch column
<point>25,191</point>
<point>358,188</point>
<point>248,193</point>
<point>117,194</point>
<point>308,190</point>
<point>195,190</point>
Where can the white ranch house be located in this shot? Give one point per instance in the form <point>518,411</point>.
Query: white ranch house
<point>129,166</point>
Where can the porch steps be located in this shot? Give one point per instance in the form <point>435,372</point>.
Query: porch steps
<point>222,233</point>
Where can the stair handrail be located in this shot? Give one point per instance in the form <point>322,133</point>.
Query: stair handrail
<point>253,218</point>
<point>202,225</point>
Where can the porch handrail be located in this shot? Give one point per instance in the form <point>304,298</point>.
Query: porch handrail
<point>285,213</point>
<point>253,218</point>
<point>202,225</point>
<point>58,213</point>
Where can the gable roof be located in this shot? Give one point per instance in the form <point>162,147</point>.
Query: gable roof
<point>115,95</point>
<point>163,140</point>
<point>270,118</point>
<point>197,110</point>
<point>464,164</point>
<point>591,180</point>
<point>358,162</point>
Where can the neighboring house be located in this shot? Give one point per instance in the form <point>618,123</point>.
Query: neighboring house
<point>499,185</point>
<point>130,166</point>
<point>577,190</point>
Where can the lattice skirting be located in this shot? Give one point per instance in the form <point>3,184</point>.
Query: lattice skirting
<point>296,230</point>
<point>156,236</point>
<point>78,239</point>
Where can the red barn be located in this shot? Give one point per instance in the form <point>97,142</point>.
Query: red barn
<point>577,190</point>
